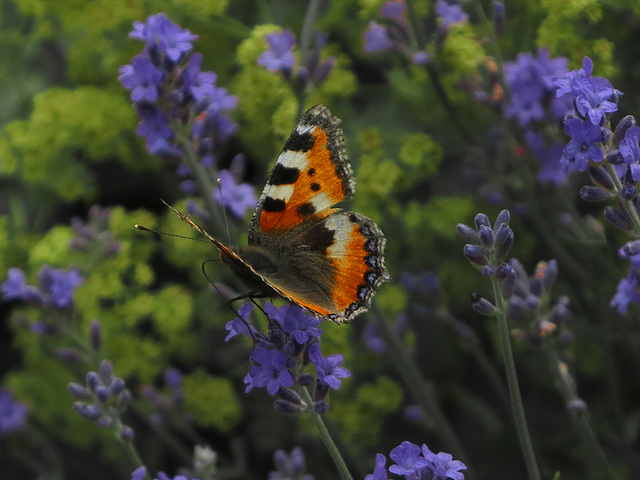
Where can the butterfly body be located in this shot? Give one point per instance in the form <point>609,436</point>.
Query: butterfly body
<point>301,248</point>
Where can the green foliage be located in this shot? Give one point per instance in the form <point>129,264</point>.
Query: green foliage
<point>361,419</point>
<point>211,401</point>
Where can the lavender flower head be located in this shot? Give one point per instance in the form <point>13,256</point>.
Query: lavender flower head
<point>55,287</point>
<point>279,56</point>
<point>237,197</point>
<point>12,413</point>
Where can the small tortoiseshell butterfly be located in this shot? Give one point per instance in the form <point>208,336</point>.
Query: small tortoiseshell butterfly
<point>300,248</point>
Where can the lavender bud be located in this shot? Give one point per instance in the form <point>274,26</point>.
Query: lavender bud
<point>486,235</point>
<point>498,16</point>
<point>617,218</point>
<point>622,127</point>
<point>321,407</point>
<point>93,380</point>
<point>631,248</point>
<point>305,379</point>
<point>102,394</point>
<point>468,234</point>
<point>321,391</point>
<point>290,395</point>
<point>475,253</point>
<point>503,217</point>
<point>126,434</point>
<point>95,335</point>
<point>483,306</point>
<point>69,355</point>
<point>629,192</point>
<point>106,370</point>
<point>481,219</point>
<point>605,134</point>
<point>92,412</point>
<point>123,399</point>
<point>503,247</point>
<point>594,194</point>
<point>487,271</point>
<point>549,274</point>
<point>577,405</point>
<point>116,387</point>
<point>283,406</point>
<point>600,176</point>
<point>103,422</point>
<point>79,391</point>
<point>614,157</point>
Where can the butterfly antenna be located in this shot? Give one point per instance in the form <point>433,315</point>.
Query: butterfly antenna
<point>224,210</point>
<point>158,233</point>
<point>230,302</point>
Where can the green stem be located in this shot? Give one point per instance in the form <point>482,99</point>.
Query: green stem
<point>628,204</point>
<point>327,439</point>
<point>423,392</point>
<point>568,391</point>
<point>512,381</point>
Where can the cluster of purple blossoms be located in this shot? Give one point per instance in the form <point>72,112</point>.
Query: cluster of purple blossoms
<point>628,291</point>
<point>161,403</point>
<point>529,305</point>
<point>12,413</point>
<point>487,247</point>
<point>140,473</point>
<point>55,287</point>
<point>172,93</point>
<point>276,361</point>
<point>289,466</point>
<point>94,234</point>
<point>395,35</point>
<point>103,399</point>
<point>534,103</point>
<point>415,463</point>
<point>588,126</point>
<point>279,58</point>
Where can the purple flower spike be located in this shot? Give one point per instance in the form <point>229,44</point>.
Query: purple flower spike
<point>167,36</point>
<point>630,151</point>
<point>279,57</point>
<point>238,197</point>
<point>376,39</point>
<point>142,78</point>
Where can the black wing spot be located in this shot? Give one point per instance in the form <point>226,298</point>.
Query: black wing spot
<point>306,209</point>
<point>282,175</point>
<point>315,186</point>
<point>311,172</point>
<point>273,205</point>
<point>300,142</point>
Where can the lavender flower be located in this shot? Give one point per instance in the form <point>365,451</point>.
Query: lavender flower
<point>279,57</point>
<point>420,463</point>
<point>269,370</point>
<point>380,471</point>
<point>584,145</point>
<point>161,34</point>
<point>408,458</point>
<point>328,369</point>
<point>376,38</point>
<point>55,287</point>
<point>628,290</point>
<point>630,151</point>
<point>238,197</point>
<point>289,467</point>
<point>450,12</point>
<point>142,78</point>
<point>102,399</point>
<point>12,413</point>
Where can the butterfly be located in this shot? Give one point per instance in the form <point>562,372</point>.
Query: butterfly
<point>300,248</point>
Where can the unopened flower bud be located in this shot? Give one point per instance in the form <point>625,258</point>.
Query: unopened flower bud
<point>614,157</point>
<point>631,248</point>
<point>482,305</point>
<point>284,406</point>
<point>486,235</point>
<point>321,407</point>
<point>126,434</point>
<point>622,127</point>
<point>590,193</point>
<point>618,218</point>
<point>468,234</point>
<point>481,219</point>
<point>475,253</point>
<point>79,391</point>
<point>600,176</point>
